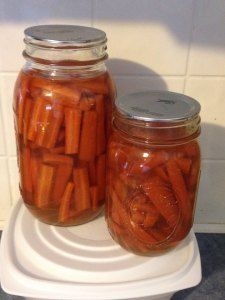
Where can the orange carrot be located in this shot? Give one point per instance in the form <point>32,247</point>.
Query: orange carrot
<point>64,209</point>
<point>180,190</point>
<point>120,188</point>
<point>184,164</point>
<point>61,136</point>
<point>21,102</point>
<point>73,124</point>
<point>101,134</point>
<point>58,150</point>
<point>26,118</point>
<point>161,173</point>
<point>63,174</point>
<point>192,149</point>
<point>55,123</point>
<point>138,217</point>
<point>194,174</point>
<point>44,185</point>
<point>43,125</point>
<point>35,118</point>
<point>50,158</point>
<point>162,197</point>
<point>82,191</point>
<point>101,176</point>
<point>87,149</point>
<point>34,167</point>
<point>94,197</point>
<point>87,102</point>
<point>25,170</point>
<point>92,172</point>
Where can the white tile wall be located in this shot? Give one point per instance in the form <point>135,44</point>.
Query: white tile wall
<point>177,45</point>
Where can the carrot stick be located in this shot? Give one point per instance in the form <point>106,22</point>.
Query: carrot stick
<point>87,102</point>
<point>58,150</point>
<point>55,123</point>
<point>34,167</point>
<point>82,191</point>
<point>137,217</point>
<point>94,197</point>
<point>63,174</point>
<point>26,118</point>
<point>43,126</point>
<point>180,190</point>
<point>101,134</point>
<point>64,209</point>
<point>87,149</point>
<point>101,175</point>
<point>162,197</point>
<point>194,174</point>
<point>161,173</point>
<point>192,149</point>
<point>92,172</point>
<point>73,124</point>
<point>44,185</point>
<point>61,136</point>
<point>34,120</point>
<point>55,159</point>
<point>184,164</point>
<point>120,188</point>
<point>21,102</point>
<point>25,170</point>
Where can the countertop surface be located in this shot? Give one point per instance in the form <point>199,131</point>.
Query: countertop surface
<point>212,286</point>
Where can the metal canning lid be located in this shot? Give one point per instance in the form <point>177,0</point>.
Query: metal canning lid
<point>64,36</point>
<point>158,106</point>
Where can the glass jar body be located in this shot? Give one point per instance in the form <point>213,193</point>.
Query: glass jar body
<point>61,130</point>
<point>151,192</point>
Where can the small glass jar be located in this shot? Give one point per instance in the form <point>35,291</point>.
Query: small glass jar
<point>154,168</point>
<point>62,103</point>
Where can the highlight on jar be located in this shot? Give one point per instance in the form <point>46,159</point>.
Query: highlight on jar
<point>153,170</point>
<point>62,104</point>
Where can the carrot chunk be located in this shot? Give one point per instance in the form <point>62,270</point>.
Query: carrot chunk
<point>101,134</point>
<point>21,102</point>
<point>34,167</point>
<point>101,175</point>
<point>43,125</point>
<point>92,172</point>
<point>162,197</point>
<point>35,119</point>
<point>44,185</point>
<point>64,209</point>
<point>73,125</point>
<point>94,197</point>
<point>184,164</point>
<point>82,190</point>
<point>58,150</point>
<point>194,174</point>
<point>161,173</point>
<point>180,190</point>
<point>51,158</point>
<point>87,149</point>
<point>26,180</point>
<point>26,118</point>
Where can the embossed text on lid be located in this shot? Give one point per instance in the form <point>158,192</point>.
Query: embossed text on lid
<point>158,106</point>
<point>64,35</point>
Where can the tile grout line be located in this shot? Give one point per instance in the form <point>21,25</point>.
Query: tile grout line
<point>189,45</point>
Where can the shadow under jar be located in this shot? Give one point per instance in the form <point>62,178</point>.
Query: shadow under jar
<point>62,103</point>
<point>154,168</point>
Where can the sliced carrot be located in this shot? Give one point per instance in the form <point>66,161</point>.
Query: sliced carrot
<point>161,173</point>
<point>54,125</point>
<point>162,197</point>
<point>87,102</point>
<point>21,102</point>
<point>184,164</point>
<point>25,170</point>
<point>44,185</point>
<point>138,218</point>
<point>51,158</point>
<point>73,125</point>
<point>194,174</point>
<point>82,190</point>
<point>192,149</point>
<point>64,209</point>
<point>26,118</point>
<point>101,134</point>
<point>180,190</point>
<point>34,167</point>
<point>63,174</point>
<point>58,150</point>
<point>44,121</point>
<point>94,197</point>
<point>35,118</point>
<point>120,188</point>
<point>101,175</point>
<point>87,149</point>
<point>92,172</point>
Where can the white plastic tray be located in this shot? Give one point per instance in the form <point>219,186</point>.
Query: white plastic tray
<point>83,262</point>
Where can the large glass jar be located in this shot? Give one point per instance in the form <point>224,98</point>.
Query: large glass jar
<point>62,103</point>
<point>154,167</point>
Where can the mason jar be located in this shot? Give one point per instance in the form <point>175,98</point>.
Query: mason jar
<point>153,170</point>
<point>62,106</point>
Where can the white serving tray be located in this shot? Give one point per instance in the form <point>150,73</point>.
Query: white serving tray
<point>83,262</point>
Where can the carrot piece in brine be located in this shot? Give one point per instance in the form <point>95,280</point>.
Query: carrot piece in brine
<point>180,190</point>
<point>64,209</point>
<point>94,197</point>
<point>92,172</point>
<point>26,180</point>
<point>87,149</point>
<point>26,118</point>
<point>73,125</point>
<point>43,125</point>
<point>51,158</point>
<point>184,164</point>
<point>101,134</point>
<point>34,167</point>
<point>35,119</point>
<point>58,150</point>
<point>101,175</point>
<point>82,189</point>
<point>21,102</point>
<point>44,185</point>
